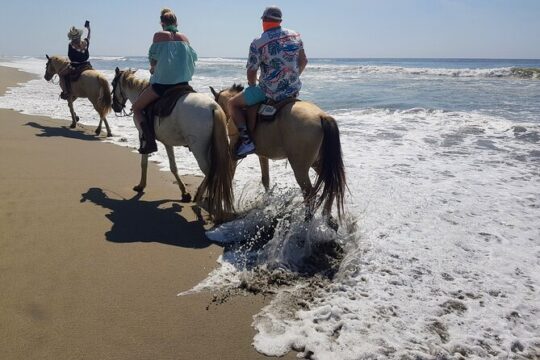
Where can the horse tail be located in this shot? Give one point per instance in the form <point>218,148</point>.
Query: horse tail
<point>219,178</point>
<point>331,169</point>
<point>104,99</point>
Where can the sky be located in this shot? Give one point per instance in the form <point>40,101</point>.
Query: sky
<point>335,29</point>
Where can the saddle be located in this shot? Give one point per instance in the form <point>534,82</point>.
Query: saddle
<point>73,74</point>
<point>268,110</point>
<point>162,107</point>
<point>76,71</point>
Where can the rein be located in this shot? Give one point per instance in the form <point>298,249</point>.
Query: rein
<point>55,75</point>
<point>116,83</point>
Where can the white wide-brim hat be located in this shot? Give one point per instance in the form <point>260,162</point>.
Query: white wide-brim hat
<point>74,33</point>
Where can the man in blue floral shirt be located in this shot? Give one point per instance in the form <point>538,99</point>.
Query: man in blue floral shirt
<point>279,54</point>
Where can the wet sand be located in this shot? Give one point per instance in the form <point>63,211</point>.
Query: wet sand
<point>89,269</point>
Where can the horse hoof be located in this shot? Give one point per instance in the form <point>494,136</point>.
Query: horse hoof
<point>186,198</point>
<point>109,134</point>
<point>72,126</point>
<point>97,132</point>
<point>138,188</point>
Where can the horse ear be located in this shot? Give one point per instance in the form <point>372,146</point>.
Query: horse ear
<point>117,70</point>
<point>214,92</point>
<point>48,58</point>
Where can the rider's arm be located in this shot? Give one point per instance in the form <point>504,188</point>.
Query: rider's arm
<point>252,77</point>
<point>88,36</point>
<point>302,60</point>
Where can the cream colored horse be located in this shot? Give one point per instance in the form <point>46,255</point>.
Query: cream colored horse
<point>92,85</point>
<point>197,122</point>
<point>308,138</point>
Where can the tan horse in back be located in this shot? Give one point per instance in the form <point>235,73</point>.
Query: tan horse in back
<point>91,85</point>
<point>308,138</point>
<point>197,122</point>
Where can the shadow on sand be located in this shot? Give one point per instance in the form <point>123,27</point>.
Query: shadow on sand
<point>135,220</point>
<point>63,131</point>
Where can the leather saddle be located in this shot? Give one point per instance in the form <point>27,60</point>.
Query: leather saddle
<point>162,107</point>
<point>267,111</point>
<point>76,71</point>
<point>72,75</point>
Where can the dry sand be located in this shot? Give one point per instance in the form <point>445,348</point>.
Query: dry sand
<point>89,269</point>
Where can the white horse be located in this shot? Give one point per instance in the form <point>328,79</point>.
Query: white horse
<point>92,85</point>
<point>197,122</point>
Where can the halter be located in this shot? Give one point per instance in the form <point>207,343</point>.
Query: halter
<point>115,83</point>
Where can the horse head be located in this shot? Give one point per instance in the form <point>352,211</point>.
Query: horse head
<point>49,69</point>
<point>55,65</point>
<point>222,97</point>
<point>119,96</point>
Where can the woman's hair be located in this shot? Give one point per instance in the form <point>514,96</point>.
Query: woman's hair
<point>167,17</point>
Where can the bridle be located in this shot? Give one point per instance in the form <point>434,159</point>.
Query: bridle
<point>51,77</point>
<point>116,83</point>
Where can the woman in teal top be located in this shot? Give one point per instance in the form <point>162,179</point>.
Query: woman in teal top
<point>172,63</point>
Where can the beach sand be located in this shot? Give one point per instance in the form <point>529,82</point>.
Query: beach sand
<point>91,270</point>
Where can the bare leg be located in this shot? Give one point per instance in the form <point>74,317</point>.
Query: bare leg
<point>186,197</point>
<point>236,110</point>
<point>145,98</point>
<point>146,133</point>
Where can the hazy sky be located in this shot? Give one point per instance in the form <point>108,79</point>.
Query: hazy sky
<point>338,28</point>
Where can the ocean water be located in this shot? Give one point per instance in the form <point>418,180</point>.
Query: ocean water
<point>439,254</point>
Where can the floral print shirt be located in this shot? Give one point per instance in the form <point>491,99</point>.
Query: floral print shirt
<point>276,52</point>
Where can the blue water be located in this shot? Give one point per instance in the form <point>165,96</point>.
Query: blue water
<point>397,84</point>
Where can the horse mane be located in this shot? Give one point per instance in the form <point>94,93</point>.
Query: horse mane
<point>134,82</point>
<point>236,88</point>
<point>59,59</point>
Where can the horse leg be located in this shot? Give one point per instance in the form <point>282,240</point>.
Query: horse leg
<point>74,117</point>
<point>98,129</point>
<point>186,197</point>
<point>109,133</point>
<point>144,168</point>
<point>265,172</point>
<point>301,173</point>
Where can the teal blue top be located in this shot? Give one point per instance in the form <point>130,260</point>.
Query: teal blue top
<point>175,62</point>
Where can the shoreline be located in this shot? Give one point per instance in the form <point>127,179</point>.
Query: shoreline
<point>92,269</point>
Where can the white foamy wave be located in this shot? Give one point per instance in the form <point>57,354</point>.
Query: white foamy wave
<point>447,254</point>
<point>432,274</point>
<point>221,60</point>
<point>29,64</point>
<point>350,70</point>
<point>109,58</point>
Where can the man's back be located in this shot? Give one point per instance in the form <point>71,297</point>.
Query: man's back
<point>276,52</point>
